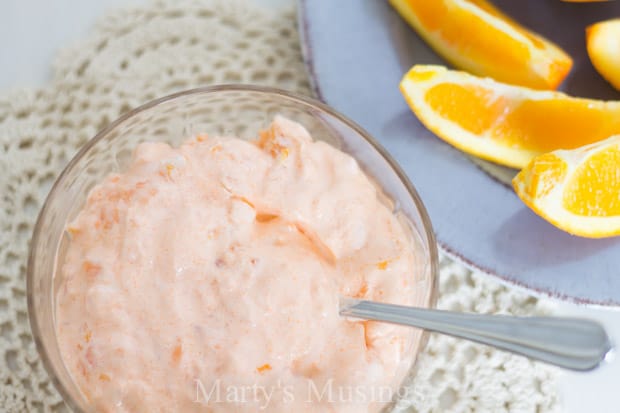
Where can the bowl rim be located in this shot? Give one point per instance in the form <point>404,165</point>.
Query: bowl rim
<point>231,87</point>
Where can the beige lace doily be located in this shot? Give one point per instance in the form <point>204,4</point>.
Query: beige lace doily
<point>137,54</point>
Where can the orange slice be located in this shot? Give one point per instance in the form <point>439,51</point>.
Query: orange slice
<point>577,190</point>
<point>603,42</point>
<point>475,36</point>
<point>506,124</point>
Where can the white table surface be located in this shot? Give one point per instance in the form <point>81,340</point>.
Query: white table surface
<point>31,31</point>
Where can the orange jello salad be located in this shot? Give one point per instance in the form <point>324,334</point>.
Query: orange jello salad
<point>207,278</point>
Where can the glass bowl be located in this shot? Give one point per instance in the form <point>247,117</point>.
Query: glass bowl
<point>228,110</point>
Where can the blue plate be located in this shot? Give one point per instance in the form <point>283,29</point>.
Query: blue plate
<point>358,50</point>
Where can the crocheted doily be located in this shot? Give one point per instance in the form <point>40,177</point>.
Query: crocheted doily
<point>137,54</point>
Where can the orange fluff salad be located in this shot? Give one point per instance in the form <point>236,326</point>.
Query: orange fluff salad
<point>207,278</point>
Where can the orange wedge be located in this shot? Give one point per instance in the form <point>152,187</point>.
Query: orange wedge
<point>502,123</point>
<point>475,36</point>
<point>603,42</point>
<point>577,190</point>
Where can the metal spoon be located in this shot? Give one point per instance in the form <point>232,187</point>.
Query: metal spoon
<point>572,343</point>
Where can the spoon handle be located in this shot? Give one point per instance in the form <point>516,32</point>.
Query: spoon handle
<point>572,343</point>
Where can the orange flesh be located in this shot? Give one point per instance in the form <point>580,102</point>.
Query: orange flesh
<point>475,39</point>
<point>538,125</point>
<point>547,125</point>
<point>594,191</point>
<point>177,353</point>
<point>547,171</point>
<point>473,108</point>
<point>362,291</point>
<point>489,8</point>
<point>451,25</point>
<point>421,75</point>
<point>367,339</point>
<point>91,269</point>
<point>263,368</point>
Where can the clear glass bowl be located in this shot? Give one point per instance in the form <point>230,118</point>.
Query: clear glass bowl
<point>231,110</point>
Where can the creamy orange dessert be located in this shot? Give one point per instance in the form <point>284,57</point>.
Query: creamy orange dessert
<point>207,278</point>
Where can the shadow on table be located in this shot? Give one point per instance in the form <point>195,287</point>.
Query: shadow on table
<point>527,241</point>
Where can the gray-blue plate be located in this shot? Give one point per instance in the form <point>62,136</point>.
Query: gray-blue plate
<point>357,51</point>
